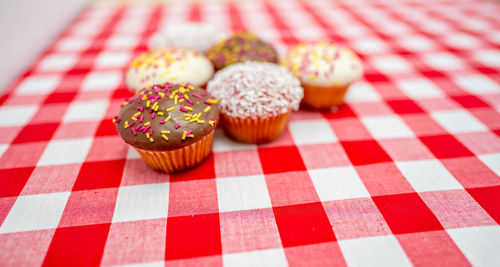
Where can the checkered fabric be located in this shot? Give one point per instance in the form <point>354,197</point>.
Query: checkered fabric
<point>406,173</point>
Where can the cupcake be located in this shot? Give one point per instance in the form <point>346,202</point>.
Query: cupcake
<point>168,65</point>
<point>325,71</point>
<point>241,47</point>
<point>196,36</point>
<point>255,99</point>
<point>170,125</point>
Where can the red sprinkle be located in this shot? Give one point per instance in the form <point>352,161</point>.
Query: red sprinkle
<point>189,101</point>
<point>177,126</point>
<point>197,95</point>
<point>162,122</point>
<point>151,132</point>
<point>133,131</point>
<point>132,124</point>
<point>208,103</point>
<point>153,116</point>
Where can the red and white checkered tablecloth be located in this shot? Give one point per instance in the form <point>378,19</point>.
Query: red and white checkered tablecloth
<point>406,173</point>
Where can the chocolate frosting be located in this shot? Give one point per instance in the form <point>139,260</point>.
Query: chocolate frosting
<point>241,47</point>
<point>165,108</point>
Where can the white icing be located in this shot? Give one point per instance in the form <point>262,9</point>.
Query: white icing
<point>197,36</point>
<point>324,64</point>
<point>255,89</point>
<point>169,65</point>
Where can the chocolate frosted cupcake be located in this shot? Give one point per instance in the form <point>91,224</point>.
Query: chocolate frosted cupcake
<point>241,47</point>
<point>170,125</point>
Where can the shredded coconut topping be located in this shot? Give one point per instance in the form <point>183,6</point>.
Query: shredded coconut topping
<point>197,36</point>
<point>255,89</point>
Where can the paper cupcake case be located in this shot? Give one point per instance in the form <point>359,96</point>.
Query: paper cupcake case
<point>254,130</point>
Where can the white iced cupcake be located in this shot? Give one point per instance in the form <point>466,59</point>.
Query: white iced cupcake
<point>197,36</point>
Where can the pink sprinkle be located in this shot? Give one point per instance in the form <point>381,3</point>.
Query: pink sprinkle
<point>183,110</point>
<point>146,129</point>
<point>208,103</point>
<point>179,93</point>
<point>189,132</point>
<point>142,118</point>
<point>132,124</point>
<point>168,94</point>
<point>162,122</point>
<point>133,131</point>
<point>177,126</point>
<point>197,95</point>
<point>115,117</point>
<point>117,120</point>
<point>138,127</point>
<point>205,93</point>
<point>151,132</point>
<point>151,110</point>
<point>189,101</point>
<point>153,116</point>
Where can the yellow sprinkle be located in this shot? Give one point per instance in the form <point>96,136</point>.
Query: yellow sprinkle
<point>171,97</point>
<point>134,118</point>
<point>188,115</point>
<point>213,101</point>
<point>188,108</point>
<point>126,124</point>
<point>186,96</point>
<point>137,113</point>
<point>148,103</point>
<point>211,123</point>
<point>183,135</point>
<point>125,103</point>
<point>161,94</point>
<point>176,99</point>
<point>160,113</point>
<point>201,121</point>
<point>165,132</point>
<point>198,115</point>
<point>144,98</point>
<point>191,135</point>
<point>113,120</point>
<point>190,87</point>
<point>193,120</point>
<point>170,109</point>
<point>182,90</point>
<point>206,109</point>
<point>182,100</point>
<point>168,118</point>
<point>156,108</point>
<point>164,137</point>
<point>151,140</point>
<point>147,123</point>
<point>148,136</point>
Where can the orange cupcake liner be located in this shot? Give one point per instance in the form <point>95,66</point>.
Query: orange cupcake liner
<point>254,130</point>
<point>179,159</point>
<point>323,97</point>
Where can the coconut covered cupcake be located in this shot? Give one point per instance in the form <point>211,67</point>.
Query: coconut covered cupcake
<point>326,71</point>
<point>241,47</point>
<point>255,100</point>
<point>168,65</point>
<point>170,125</point>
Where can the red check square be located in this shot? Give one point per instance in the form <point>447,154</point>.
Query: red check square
<point>89,207</point>
<point>303,224</point>
<point>470,101</point>
<point>14,247</point>
<point>404,106</point>
<point>192,197</point>
<point>86,252</point>
<point>488,198</point>
<point>291,188</point>
<point>13,180</point>
<point>22,155</point>
<point>281,159</point>
<point>406,213</point>
<point>193,236</point>
<point>445,146</point>
<point>322,254</point>
<point>471,172</point>
<point>60,97</point>
<point>100,174</point>
<point>36,132</point>
<point>365,152</point>
<point>106,127</point>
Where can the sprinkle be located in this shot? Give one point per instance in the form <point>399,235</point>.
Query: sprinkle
<point>200,121</point>
<point>125,103</point>
<point>147,123</point>
<point>151,132</point>
<point>205,93</point>
<point>183,109</point>
<point>132,124</point>
<point>164,137</point>
<point>160,113</point>
<point>162,122</point>
<point>126,124</point>
<point>113,120</point>
<point>137,114</point>
<point>207,103</point>
<point>177,126</point>
<point>176,99</point>
<point>191,135</point>
<point>142,118</point>
<point>148,136</point>
<point>181,100</point>
<point>188,108</point>
<point>168,118</point>
<point>193,120</point>
<point>188,115</point>
<point>134,118</point>
<point>165,132</point>
<point>141,109</point>
<point>153,115</point>
<point>197,95</point>
<point>183,135</point>
<point>189,101</point>
<point>213,101</point>
<point>133,131</point>
<point>170,109</point>
<point>151,140</point>
<point>148,104</point>
<point>206,109</point>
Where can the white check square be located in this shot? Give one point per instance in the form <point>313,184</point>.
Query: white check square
<point>142,202</point>
<point>65,151</point>
<point>443,61</point>
<point>112,59</point>
<point>369,45</point>
<point>57,62</point>
<point>492,161</point>
<point>3,148</point>
<point>490,57</point>
<point>477,84</point>
<point>311,132</point>
<point>374,251</point>
<point>16,115</point>
<point>419,88</point>
<point>338,183</point>
<point>73,44</point>
<point>391,64</point>
<point>122,42</point>
<point>269,257</point>
<point>479,244</point>
<point>427,175</point>
<point>38,85</point>
<point>86,110</point>
<point>101,81</point>
<point>362,92</point>
<point>242,193</point>
<point>462,41</point>
<point>387,126</point>
<point>417,43</point>
<point>35,212</point>
<point>225,143</point>
<point>458,121</point>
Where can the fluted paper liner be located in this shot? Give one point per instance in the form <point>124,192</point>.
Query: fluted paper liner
<point>254,130</point>
<point>179,159</point>
<point>323,97</point>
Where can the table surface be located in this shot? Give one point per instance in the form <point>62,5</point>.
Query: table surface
<point>406,172</point>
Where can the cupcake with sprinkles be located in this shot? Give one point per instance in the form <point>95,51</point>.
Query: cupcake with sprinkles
<point>255,100</point>
<point>241,47</point>
<point>168,65</point>
<point>326,71</point>
<point>170,125</point>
